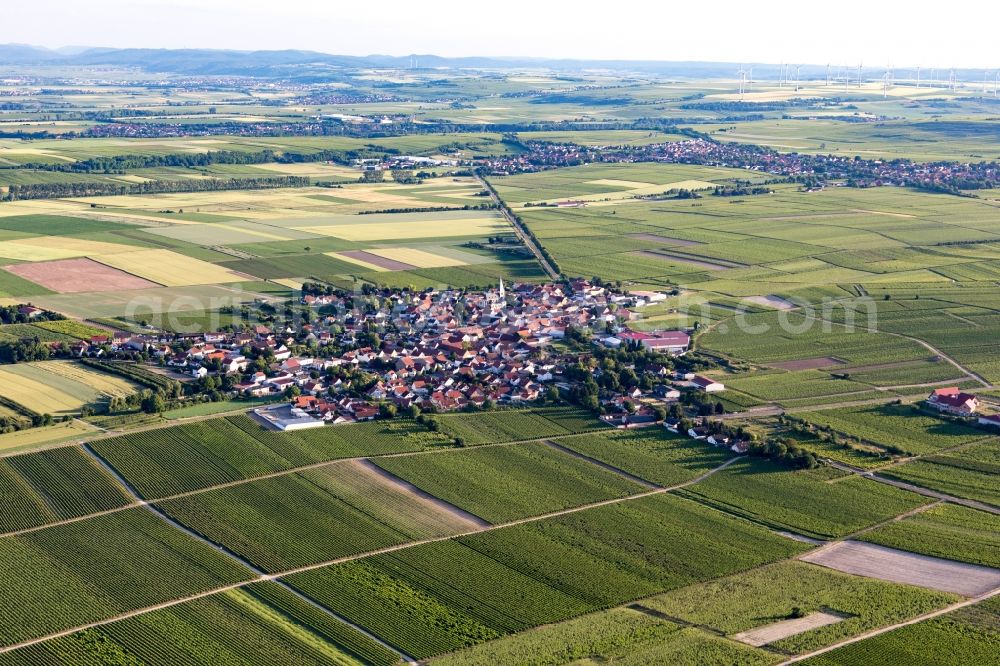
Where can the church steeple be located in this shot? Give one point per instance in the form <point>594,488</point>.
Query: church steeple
<point>502,292</point>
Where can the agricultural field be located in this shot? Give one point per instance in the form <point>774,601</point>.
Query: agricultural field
<point>970,472</point>
<point>60,387</point>
<point>966,636</point>
<point>903,427</point>
<point>743,602</point>
<point>619,635</point>
<point>45,487</point>
<point>821,503</point>
<point>34,438</point>
<point>273,625</point>
<point>168,461</point>
<point>512,426</point>
<point>69,575</point>
<point>338,510</point>
<point>948,531</point>
<point>655,455</point>
<point>155,202</point>
<point>497,585</point>
<point>501,484</point>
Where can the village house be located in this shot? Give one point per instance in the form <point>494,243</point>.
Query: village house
<point>707,385</point>
<point>953,401</point>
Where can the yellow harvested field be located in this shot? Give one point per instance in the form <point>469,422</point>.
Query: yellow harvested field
<point>311,169</point>
<point>105,384</point>
<point>45,248</point>
<point>640,189</point>
<point>381,195</point>
<point>169,268</point>
<point>252,232</point>
<point>59,387</point>
<point>20,150</point>
<point>291,283</point>
<point>614,182</point>
<point>418,258</point>
<point>356,262</point>
<point>479,226</point>
<point>689,185</point>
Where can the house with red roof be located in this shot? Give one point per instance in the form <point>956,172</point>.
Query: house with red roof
<point>951,400</point>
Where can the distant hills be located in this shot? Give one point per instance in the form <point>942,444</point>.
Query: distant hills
<point>312,64</point>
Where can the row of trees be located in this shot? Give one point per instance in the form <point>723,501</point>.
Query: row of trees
<point>91,189</point>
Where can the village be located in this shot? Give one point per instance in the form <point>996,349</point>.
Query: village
<point>435,351</point>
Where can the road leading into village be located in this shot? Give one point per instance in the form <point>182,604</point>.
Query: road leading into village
<point>519,229</point>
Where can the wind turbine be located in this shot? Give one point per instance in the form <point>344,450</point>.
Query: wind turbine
<point>859,75</point>
<point>827,75</point>
<point>918,76</point>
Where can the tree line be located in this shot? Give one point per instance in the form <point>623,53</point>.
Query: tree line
<point>93,189</point>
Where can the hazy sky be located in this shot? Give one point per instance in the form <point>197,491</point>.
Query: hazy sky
<point>879,32</point>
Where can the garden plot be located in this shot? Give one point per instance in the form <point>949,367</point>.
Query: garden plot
<point>873,561</point>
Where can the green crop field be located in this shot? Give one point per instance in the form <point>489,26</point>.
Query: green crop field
<point>969,472</point>
<point>820,503</point>
<point>41,488</point>
<point>905,427</point>
<point>618,635</point>
<point>69,575</point>
<point>656,455</point>
<point>337,510</point>
<point>447,595</point>
<point>949,531</point>
<point>168,461</point>
<point>966,636</point>
<point>512,426</point>
<point>766,595</point>
<point>274,627</point>
<point>500,484</point>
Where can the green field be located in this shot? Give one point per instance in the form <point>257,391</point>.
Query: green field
<point>168,461</point>
<point>618,635</point>
<point>949,531</point>
<point>448,595</point>
<point>64,483</point>
<point>73,574</point>
<point>336,511</point>
<point>655,455</point>
<point>766,595</point>
<point>970,472</point>
<point>262,623</point>
<point>501,484</point>
<point>966,636</point>
<point>820,503</point>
